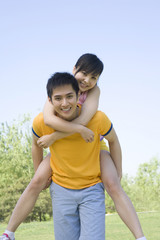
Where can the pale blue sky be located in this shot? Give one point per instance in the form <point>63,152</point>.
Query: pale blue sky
<point>41,37</point>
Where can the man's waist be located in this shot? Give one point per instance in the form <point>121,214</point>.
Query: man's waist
<point>76,183</point>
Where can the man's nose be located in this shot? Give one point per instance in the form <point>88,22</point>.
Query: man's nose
<point>64,102</point>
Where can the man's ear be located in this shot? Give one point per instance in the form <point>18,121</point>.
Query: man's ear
<point>50,100</point>
<point>74,70</point>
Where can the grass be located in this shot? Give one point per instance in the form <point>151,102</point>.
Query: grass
<point>115,228</point>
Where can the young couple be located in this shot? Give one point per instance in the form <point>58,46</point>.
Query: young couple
<point>71,126</point>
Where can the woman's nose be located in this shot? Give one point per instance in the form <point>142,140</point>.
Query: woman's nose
<point>86,79</point>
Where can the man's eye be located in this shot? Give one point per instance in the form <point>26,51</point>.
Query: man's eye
<point>70,96</point>
<point>57,99</point>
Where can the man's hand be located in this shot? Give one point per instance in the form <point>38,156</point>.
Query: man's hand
<point>48,183</point>
<point>45,141</point>
<point>87,134</point>
<point>37,153</point>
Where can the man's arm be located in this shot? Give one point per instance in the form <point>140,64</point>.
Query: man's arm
<point>37,153</point>
<point>115,150</point>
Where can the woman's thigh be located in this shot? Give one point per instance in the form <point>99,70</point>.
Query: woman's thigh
<point>108,170</point>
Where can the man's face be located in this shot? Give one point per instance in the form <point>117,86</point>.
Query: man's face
<point>64,100</point>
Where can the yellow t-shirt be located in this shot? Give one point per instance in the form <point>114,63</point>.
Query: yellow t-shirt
<point>75,163</point>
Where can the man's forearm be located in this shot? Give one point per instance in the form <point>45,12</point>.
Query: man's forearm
<point>115,150</point>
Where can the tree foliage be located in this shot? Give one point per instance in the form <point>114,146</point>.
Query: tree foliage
<point>144,189</point>
<point>16,169</point>
<point>147,182</point>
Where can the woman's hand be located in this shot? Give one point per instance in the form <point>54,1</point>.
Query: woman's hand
<point>45,141</point>
<point>87,134</point>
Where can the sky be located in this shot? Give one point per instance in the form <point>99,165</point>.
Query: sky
<point>40,37</point>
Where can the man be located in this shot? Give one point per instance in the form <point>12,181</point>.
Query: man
<point>76,190</point>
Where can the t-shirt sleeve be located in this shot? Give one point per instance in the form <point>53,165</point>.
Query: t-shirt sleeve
<point>105,124</point>
<point>36,126</point>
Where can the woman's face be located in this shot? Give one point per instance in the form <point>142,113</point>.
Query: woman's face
<point>85,81</point>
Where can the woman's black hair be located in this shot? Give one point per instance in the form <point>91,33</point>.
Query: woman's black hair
<point>89,63</point>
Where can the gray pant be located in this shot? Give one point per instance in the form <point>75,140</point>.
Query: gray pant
<point>78,214</point>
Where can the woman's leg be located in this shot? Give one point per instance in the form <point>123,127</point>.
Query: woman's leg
<point>29,197</point>
<point>122,202</point>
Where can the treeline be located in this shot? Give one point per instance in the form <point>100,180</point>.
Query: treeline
<point>143,189</point>
<point>16,171</point>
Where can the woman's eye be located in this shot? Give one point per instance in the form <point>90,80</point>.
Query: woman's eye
<point>84,73</point>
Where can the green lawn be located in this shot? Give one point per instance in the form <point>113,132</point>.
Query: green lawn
<point>115,228</point>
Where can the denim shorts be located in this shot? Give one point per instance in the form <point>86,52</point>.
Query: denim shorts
<point>78,214</point>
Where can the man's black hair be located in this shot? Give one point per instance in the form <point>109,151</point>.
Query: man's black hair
<point>61,79</point>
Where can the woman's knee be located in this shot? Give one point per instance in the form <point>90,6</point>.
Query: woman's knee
<point>112,184</point>
<point>38,182</point>
<point>42,175</point>
<point>109,174</point>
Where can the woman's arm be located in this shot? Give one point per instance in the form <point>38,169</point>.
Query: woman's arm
<point>68,128</point>
<point>51,120</point>
<point>89,107</point>
<point>47,140</point>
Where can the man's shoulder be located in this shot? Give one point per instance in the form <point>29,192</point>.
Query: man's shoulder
<point>39,126</point>
<point>102,122</point>
<point>99,114</point>
<point>100,118</point>
<point>97,118</point>
<point>39,118</point>
<point>38,121</point>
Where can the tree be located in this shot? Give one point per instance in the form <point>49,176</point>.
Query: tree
<point>16,169</point>
<point>147,183</point>
<point>143,190</point>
